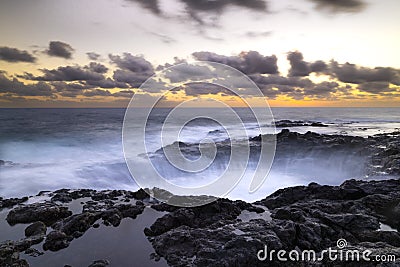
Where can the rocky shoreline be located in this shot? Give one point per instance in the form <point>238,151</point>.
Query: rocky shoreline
<point>223,233</point>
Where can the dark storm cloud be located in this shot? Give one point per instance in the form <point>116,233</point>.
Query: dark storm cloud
<point>97,67</point>
<point>295,87</point>
<point>277,80</point>
<point>132,63</point>
<point>135,79</point>
<point>97,92</point>
<point>60,49</point>
<point>151,5</point>
<point>196,89</point>
<point>299,67</point>
<point>124,93</point>
<point>134,70</point>
<point>248,62</point>
<point>347,72</point>
<point>321,89</point>
<point>72,89</point>
<point>92,72</point>
<point>14,86</point>
<point>351,73</point>
<point>93,55</point>
<point>108,83</point>
<point>188,72</point>
<point>340,5</point>
<point>10,54</point>
<point>376,87</point>
<point>198,10</point>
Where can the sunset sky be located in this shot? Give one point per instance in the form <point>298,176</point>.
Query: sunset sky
<point>299,52</point>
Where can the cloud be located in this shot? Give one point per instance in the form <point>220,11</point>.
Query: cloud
<point>60,49</point>
<point>254,34</point>
<point>347,72</point>
<point>124,93</point>
<point>97,67</point>
<point>97,92</point>
<point>299,67</point>
<point>132,63</point>
<point>196,89</point>
<point>134,70</point>
<point>321,89</point>
<point>69,73</point>
<point>248,62</point>
<point>14,86</point>
<point>336,6</point>
<point>351,73</point>
<point>295,87</point>
<point>151,5</point>
<point>107,83</point>
<point>188,72</point>
<point>15,55</point>
<point>71,89</point>
<point>93,55</point>
<point>200,10</point>
<point>376,87</point>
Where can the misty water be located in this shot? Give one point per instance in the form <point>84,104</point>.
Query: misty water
<point>48,149</point>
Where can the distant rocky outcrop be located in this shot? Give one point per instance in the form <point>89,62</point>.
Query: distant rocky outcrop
<point>290,123</point>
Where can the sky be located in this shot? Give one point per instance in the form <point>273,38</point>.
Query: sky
<point>86,53</point>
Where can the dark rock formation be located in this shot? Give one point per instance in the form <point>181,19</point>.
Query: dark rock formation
<point>303,217</point>
<point>11,202</point>
<point>46,212</point>
<point>99,263</point>
<point>9,255</point>
<point>289,123</point>
<point>36,228</point>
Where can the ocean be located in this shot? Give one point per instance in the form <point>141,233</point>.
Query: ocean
<point>48,149</point>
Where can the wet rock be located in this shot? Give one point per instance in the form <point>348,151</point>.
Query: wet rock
<point>37,228</point>
<point>129,210</point>
<point>289,123</point>
<point>33,252</point>
<point>112,216</point>
<point>46,212</point>
<point>78,223</point>
<point>303,218</point>
<point>10,202</point>
<point>100,263</point>
<point>27,242</point>
<point>62,197</point>
<point>140,194</point>
<point>220,210</point>
<point>56,240</point>
<point>9,255</point>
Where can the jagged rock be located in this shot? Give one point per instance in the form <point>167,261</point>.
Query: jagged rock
<point>46,212</point>
<point>37,228</point>
<point>303,218</point>
<point>100,263</point>
<point>10,202</point>
<point>78,223</point>
<point>33,252</point>
<point>289,123</point>
<point>56,240</point>
<point>9,255</point>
